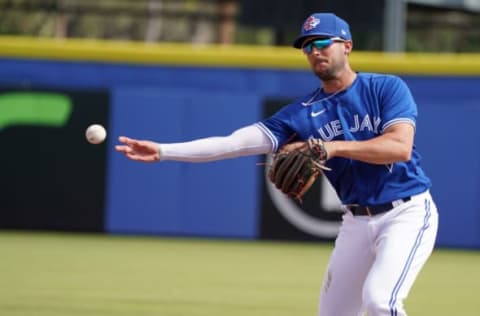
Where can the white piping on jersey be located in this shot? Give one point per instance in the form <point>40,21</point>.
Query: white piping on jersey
<point>311,100</point>
<point>269,134</point>
<point>397,120</point>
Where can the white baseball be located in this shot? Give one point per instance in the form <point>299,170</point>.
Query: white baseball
<point>95,134</point>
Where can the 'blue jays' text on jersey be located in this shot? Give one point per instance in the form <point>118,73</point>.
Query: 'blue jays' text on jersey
<point>368,107</point>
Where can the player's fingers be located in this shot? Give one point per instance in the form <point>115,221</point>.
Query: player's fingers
<point>123,139</point>
<point>134,156</point>
<point>123,148</point>
<point>128,141</point>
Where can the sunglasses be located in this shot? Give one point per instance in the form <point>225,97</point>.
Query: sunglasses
<point>320,44</point>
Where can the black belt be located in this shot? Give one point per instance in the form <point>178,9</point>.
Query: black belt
<point>371,210</point>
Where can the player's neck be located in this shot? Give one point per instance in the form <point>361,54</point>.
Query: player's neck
<point>342,82</point>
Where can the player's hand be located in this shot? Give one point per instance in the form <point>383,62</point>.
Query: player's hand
<point>139,150</point>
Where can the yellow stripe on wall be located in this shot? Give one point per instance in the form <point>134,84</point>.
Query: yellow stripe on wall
<point>228,56</point>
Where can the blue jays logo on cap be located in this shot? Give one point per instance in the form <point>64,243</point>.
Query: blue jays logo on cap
<point>323,24</point>
<point>310,23</point>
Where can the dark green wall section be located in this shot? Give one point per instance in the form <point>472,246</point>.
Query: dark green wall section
<point>51,178</point>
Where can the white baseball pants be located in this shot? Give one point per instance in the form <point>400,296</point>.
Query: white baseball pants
<point>377,259</point>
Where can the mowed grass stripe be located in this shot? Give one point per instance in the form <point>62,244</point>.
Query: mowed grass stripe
<point>83,274</point>
<point>63,274</point>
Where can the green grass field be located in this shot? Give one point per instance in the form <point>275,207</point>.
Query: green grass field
<point>76,274</point>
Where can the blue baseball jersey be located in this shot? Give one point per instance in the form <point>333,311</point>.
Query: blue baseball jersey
<point>363,111</point>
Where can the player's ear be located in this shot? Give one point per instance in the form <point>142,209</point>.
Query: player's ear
<point>348,47</point>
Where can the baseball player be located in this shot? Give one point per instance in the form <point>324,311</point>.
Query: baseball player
<point>366,123</point>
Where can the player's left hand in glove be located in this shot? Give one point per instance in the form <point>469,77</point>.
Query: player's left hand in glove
<point>296,166</point>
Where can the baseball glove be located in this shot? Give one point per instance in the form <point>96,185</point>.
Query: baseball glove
<point>294,172</point>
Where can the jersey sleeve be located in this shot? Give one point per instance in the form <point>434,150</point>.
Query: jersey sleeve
<point>278,127</point>
<point>397,103</point>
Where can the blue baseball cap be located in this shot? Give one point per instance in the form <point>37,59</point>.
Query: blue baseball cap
<point>323,24</point>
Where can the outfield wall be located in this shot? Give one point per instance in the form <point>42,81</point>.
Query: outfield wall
<point>53,179</point>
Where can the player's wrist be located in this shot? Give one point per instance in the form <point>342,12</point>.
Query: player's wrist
<point>330,148</point>
<point>160,153</point>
